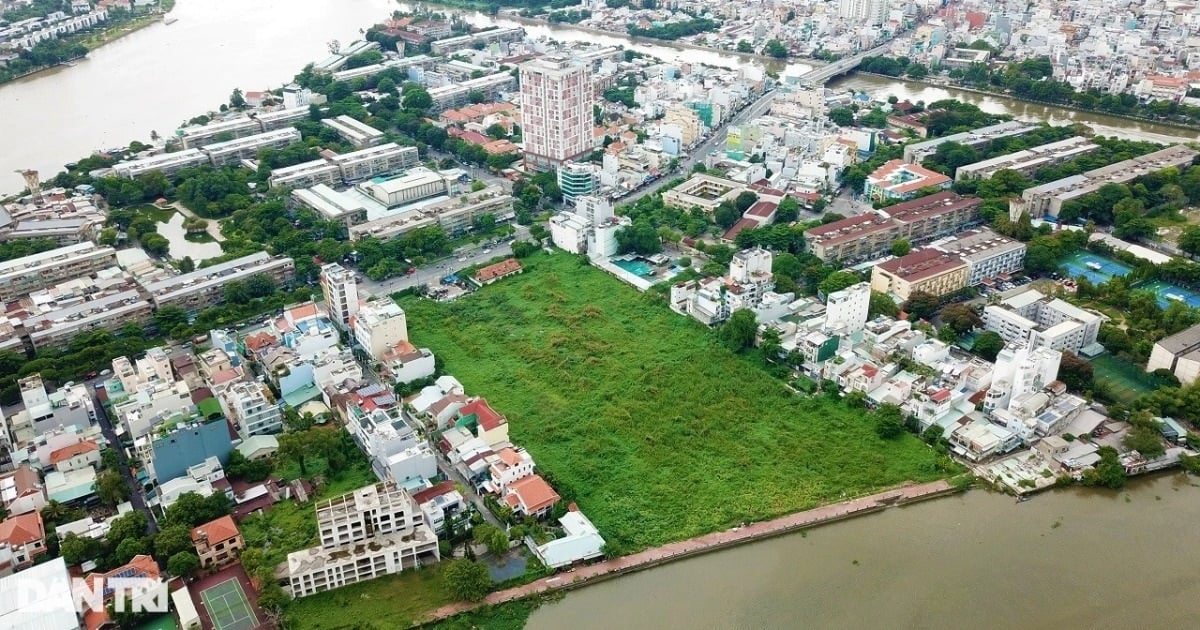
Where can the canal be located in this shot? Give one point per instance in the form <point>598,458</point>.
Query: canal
<point>1075,558</point>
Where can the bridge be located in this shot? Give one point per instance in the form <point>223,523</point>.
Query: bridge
<point>819,76</point>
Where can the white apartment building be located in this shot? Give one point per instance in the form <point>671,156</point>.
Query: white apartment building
<point>150,404</point>
<point>202,135</point>
<point>988,255</point>
<point>167,163</point>
<point>374,531</point>
<point>750,265</point>
<point>53,328</point>
<point>590,228</point>
<point>384,159</point>
<point>459,93</point>
<point>21,276</point>
<point>1039,321</point>
<point>1027,162</point>
<point>416,184</point>
<point>331,204</point>
<point>395,449</point>
<point>231,152</point>
<point>1179,353</point>
<point>379,325</point>
<point>359,134</point>
<point>1020,370</point>
<point>204,287</point>
<point>305,175</point>
<point>847,310</point>
<point>872,12</point>
<point>341,293</point>
<point>556,111</point>
<point>282,118</point>
<point>249,406</point>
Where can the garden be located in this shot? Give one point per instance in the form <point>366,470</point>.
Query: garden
<point>642,417</point>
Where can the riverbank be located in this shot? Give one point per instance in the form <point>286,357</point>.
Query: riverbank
<point>94,41</point>
<point>707,543</point>
<point>1018,99</point>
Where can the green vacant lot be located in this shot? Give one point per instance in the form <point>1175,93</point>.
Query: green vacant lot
<point>638,414</point>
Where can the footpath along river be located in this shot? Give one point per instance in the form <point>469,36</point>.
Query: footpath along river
<point>1075,558</point>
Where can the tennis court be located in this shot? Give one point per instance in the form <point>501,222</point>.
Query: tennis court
<point>228,607</point>
<point>1123,380</point>
<point>1168,293</point>
<point>1096,269</point>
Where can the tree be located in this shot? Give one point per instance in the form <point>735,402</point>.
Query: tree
<point>126,617</point>
<point>889,421</point>
<point>788,210</point>
<point>192,509</point>
<point>111,488</point>
<point>961,318</point>
<point>882,304</point>
<point>172,540</point>
<point>1075,372</point>
<point>497,131</point>
<point>739,332</point>
<point>183,563</point>
<point>901,247</point>
<point>837,281</point>
<point>776,49</point>
<point>921,305</point>
<point>726,215</point>
<point>235,292</point>
<point>1189,241</point>
<point>1145,440</point>
<point>467,579</point>
<point>237,100</point>
<point>1108,472</point>
<point>744,200</point>
<point>386,86</point>
<point>78,549</point>
<point>988,344</point>
<point>187,265</point>
<point>491,537</point>
<point>842,116</point>
<point>416,98</point>
<point>130,547</point>
<point>744,46</point>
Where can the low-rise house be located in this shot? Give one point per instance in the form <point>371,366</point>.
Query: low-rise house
<point>512,465</point>
<point>218,542</point>
<point>405,363</point>
<point>531,496</point>
<point>439,503</point>
<point>76,456</point>
<point>479,417</point>
<point>72,487</point>
<point>581,541</point>
<point>497,272</point>
<point>258,447</point>
<point>22,492</point>
<point>24,536</point>
<point>203,479</point>
<point>140,566</point>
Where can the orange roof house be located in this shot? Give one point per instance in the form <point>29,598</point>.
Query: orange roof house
<point>495,272</point>
<point>531,496</point>
<point>217,542</point>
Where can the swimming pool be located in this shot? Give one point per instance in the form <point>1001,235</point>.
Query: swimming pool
<point>1096,269</point>
<point>636,267</point>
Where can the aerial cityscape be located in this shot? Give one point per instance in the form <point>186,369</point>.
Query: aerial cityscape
<point>598,313</point>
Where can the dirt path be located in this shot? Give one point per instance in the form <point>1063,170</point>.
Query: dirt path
<point>702,544</point>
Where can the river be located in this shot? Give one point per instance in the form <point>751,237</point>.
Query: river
<point>1066,559</point>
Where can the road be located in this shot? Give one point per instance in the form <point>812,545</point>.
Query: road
<point>433,273</point>
<point>137,497</point>
<point>697,154</point>
<point>470,494</point>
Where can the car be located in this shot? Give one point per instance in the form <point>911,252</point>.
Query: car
<point>105,372</point>
<point>462,259</point>
<point>92,374</point>
<point>487,250</point>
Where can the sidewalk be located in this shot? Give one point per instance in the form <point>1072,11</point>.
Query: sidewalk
<point>702,544</point>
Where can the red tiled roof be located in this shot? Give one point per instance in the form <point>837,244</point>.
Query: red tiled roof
<point>24,479</point>
<point>488,418</point>
<point>921,264</point>
<point>764,209</point>
<point>532,493</point>
<point>260,340</point>
<point>217,531</point>
<point>498,270</point>
<point>21,530</point>
<point>71,451</point>
<point>429,494</point>
<point>737,228</point>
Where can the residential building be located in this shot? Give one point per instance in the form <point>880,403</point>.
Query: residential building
<point>331,204</point>
<point>847,310</point>
<point>1040,321</point>
<point>24,535</point>
<point>252,409</point>
<point>166,163</point>
<point>396,451</point>
<point>306,330</point>
<point>341,293</point>
<point>871,235</point>
<point>496,272</point>
<point>531,496</point>
<point>258,447</point>
<point>898,180</point>
<point>405,363</point>
<point>21,276</point>
<point>703,191</point>
<point>384,159</point>
<point>85,454</point>
<point>511,465</point>
<point>589,228</point>
<point>379,325</point>
<point>374,531</point>
<point>1029,161</point>
<point>231,152</point>
<point>581,541</point>
<point>414,185</point>
<point>203,479</point>
<point>305,175</point>
<point>76,487</point>
<point>870,12</point>
<point>576,179</point>
<point>455,44</point>
<point>440,503</point>
<point>67,407</point>
<point>1179,353</point>
<point>359,134</point>
<point>218,542</point>
<point>556,111</point>
<point>52,609</point>
<point>927,270</point>
<point>988,255</point>
<point>202,288</point>
<point>56,328</point>
<point>175,451</point>
<point>139,567</point>
<point>1048,199</point>
<point>977,138</point>
<point>149,405</point>
<point>1020,370</point>
<point>457,215</point>
<point>22,492</point>
<point>483,421</point>
<point>458,93</point>
<point>286,117</point>
<point>198,136</point>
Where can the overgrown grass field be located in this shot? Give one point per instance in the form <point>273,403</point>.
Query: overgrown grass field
<point>639,415</point>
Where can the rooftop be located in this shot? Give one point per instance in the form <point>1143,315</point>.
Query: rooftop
<point>922,264</point>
